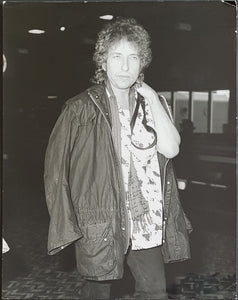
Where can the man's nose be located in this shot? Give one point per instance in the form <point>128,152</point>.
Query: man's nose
<point>125,64</point>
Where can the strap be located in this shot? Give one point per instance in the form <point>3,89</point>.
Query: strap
<point>141,101</point>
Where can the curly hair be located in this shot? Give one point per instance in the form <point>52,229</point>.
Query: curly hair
<point>115,31</point>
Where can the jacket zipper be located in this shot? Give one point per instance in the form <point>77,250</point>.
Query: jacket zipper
<point>121,183</point>
<point>164,218</point>
<point>165,166</point>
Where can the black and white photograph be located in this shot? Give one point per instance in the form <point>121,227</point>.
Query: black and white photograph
<point>119,150</point>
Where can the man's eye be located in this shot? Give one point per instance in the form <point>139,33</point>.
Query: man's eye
<point>116,56</point>
<point>134,57</point>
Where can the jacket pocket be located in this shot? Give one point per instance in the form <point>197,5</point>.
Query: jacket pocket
<point>95,251</point>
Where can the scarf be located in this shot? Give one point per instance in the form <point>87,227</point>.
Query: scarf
<point>138,205</point>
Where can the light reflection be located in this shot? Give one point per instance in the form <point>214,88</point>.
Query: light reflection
<point>36,31</point>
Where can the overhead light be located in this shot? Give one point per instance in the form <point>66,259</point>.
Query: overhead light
<point>52,97</point>
<point>106,17</point>
<point>62,28</point>
<point>36,31</point>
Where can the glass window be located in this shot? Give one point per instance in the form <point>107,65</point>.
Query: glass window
<point>219,110</point>
<point>199,111</point>
<point>180,107</point>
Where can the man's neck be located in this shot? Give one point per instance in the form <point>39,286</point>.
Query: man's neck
<point>122,97</point>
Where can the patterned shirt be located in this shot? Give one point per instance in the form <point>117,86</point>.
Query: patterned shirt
<point>148,172</point>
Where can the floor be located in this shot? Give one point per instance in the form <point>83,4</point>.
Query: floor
<point>29,273</point>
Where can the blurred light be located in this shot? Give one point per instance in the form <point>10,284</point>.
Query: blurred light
<point>36,31</point>
<point>182,183</point>
<point>23,51</point>
<point>106,17</point>
<point>62,28</point>
<point>4,63</point>
<point>218,185</point>
<point>88,41</point>
<point>52,97</point>
<point>183,26</point>
<point>5,156</point>
<point>198,182</point>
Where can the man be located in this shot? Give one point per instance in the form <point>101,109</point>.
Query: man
<point>109,181</point>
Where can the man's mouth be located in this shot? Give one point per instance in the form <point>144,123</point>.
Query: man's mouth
<point>123,76</point>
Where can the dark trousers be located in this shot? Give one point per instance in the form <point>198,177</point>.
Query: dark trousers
<point>147,268</point>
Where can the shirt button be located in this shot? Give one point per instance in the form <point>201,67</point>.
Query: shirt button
<point>62,247</point>
<point>163,241</point>
<point>123,228</point>
<point>105,239</point>
<point>165,218</point>
<point>168,182</point>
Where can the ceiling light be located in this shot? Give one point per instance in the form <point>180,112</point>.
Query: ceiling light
<point>36,31</point>
<point>106,17</point>
<point>62,28</point>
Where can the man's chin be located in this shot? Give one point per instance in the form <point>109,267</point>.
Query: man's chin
<point>125,86</point>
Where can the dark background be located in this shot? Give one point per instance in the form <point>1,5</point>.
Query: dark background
<point>194,49</point>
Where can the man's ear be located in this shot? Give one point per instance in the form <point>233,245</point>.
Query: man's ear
<point>104,67</point>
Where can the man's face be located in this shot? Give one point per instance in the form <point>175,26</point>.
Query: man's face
<point>122,64</point>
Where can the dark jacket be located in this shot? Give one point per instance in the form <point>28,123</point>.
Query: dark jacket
<point>85,196</point>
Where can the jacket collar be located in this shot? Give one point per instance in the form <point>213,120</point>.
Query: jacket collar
<point>99,96</point>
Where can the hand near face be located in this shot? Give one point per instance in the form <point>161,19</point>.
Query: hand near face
<point>168,138</point>
<point>146,91</point>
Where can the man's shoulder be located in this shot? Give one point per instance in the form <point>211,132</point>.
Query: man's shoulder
<point>83,99</point>
<point>79,98</point>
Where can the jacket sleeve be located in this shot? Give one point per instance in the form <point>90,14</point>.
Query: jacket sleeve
<point>63,227</point>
